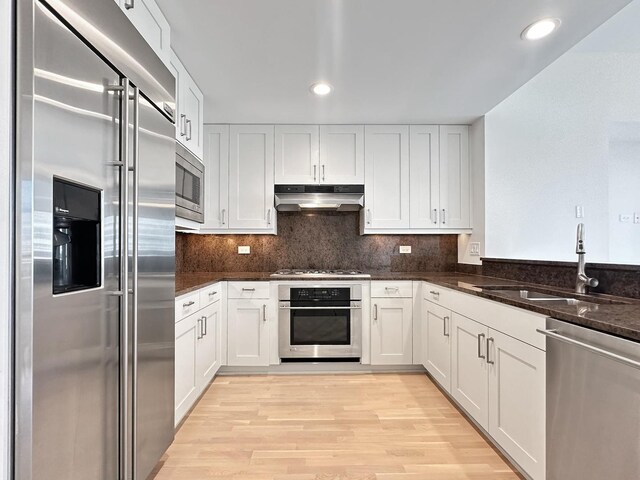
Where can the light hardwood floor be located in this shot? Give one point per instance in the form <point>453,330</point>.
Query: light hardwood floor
<point>329,427</point>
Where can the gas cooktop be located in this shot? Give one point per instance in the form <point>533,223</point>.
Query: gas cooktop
<point>312,273</point>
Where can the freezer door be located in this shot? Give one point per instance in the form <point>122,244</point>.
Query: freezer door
<point>155,289</point>
<point>67,351</point>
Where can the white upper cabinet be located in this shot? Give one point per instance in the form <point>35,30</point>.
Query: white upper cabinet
<point>216,184</point>
<point>386,177</point>
<point>148,19</point>
<point>455,195</point>
<point>189,108</point>
<point>251,178</point>
<point>297,154</point>
<point>425,176</point>
<point>341,155</point>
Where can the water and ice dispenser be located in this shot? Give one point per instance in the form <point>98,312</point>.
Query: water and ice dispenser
<point>76,237</point>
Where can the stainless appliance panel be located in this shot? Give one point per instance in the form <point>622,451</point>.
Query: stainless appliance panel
<point>106,27</point>
<point>189,185</point>
<point>74,380</point>
<point>155,292</point>
<point>593,404</point>
<point>303,349</point>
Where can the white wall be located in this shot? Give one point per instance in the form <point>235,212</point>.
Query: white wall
<point>5,216</point>
<point>477,157</point>
<point>570,137</point>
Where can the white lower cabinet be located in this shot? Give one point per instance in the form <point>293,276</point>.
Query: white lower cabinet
<point>517,375</point>
<point>391,331</point>
<point>208,348</point>
<point>186,381</point>
<point>437,351</point>
<point>470,372</point>
<point>248,327</point>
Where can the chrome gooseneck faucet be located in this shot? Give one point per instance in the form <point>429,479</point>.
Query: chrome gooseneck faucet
<point>582,280</point>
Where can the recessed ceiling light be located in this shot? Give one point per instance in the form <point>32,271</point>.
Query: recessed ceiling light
<point>540,29</point>
<point>321,89</point>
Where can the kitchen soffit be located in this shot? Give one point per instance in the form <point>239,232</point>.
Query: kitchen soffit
<point>389,61</point>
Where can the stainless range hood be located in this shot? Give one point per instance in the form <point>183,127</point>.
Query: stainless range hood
<point>344,198</point>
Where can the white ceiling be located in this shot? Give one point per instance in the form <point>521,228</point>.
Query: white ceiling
<point>389,61</point>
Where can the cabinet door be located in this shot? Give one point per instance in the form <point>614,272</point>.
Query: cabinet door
<point>391,331</point>
<point>517,400</point>
<point>193,102</point>
<point>296,157</point>
<point>455,197</point>
<point>186,378</point>
<point>386,176</point>
<point>425,176</point>
<point>148,19</point>
<point>207,349</point>
<point>180,74</point>
<point>438,351</point>
<point>251,178</point>
<point>341,154</point>
<point>469,369</point>
<point>248,332</point>
<point>216,184</point>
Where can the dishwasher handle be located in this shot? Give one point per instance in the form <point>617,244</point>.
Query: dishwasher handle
<point>605,353</point>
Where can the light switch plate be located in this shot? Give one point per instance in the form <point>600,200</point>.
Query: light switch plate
<point>405,248</point>
<point>474,249</point>
<point>579,211</point>
<point>244,250</point>
<point>636,217</point>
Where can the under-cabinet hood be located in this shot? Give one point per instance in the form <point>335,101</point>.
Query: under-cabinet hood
<point>293,198</point>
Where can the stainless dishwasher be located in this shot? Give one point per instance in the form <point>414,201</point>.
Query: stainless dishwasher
<point>593,404</point>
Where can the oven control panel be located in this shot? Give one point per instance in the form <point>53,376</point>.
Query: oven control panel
<point>320,294</point>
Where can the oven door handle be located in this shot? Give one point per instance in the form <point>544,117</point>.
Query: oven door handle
<point>284,307</point>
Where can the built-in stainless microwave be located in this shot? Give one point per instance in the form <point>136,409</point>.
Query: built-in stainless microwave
<point>189,185</point>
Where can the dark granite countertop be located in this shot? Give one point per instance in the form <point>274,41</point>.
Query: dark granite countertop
<point>614,315</point>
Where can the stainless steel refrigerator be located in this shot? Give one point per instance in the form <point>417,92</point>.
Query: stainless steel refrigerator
<point>95,274</point>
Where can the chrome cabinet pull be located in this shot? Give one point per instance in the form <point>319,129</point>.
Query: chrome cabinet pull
<point>323,173</point>
<point>129,4</point>
<point>490,340</point>
<point>188,304</point>
<point>480,342</point>
<point>392,289</point>
<point>211,294</point>
<point>375,311</point>
<point>434,216</point>
<point>224,214</point>
<point>444,216</point>
<point>315,173</point>
<point>189,129</point>
<point>269,217</point>
<point>205,321</point>
<point>199,329</point>
<point>183,128</point>
<point>244,289</point>
<point>264,312</point>
<point>435,294</point>
<point>444,326</point>
<point>368,216</point>
<point>605,353</point>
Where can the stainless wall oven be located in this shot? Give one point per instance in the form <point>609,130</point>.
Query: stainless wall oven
<point>320,322</point>
<point>189,185</point>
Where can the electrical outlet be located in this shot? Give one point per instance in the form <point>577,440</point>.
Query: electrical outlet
<point>405,248</point>
<point>625,218</point>
<point>474,249</point>
<point>244,250</point>
<point>636,217</point>
<point>579,211</point>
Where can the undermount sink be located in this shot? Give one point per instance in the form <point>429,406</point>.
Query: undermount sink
<point>534,296</point>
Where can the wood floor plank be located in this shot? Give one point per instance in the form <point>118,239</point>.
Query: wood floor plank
<point>329,427</point>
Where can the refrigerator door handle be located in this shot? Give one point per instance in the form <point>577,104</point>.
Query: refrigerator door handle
<point>124,278</point>
<point>134,273</point>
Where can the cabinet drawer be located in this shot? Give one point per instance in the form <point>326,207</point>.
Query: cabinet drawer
<point>248,290</point>
<point>402,289</point>
<point>210,294</point>
<point>186,305</point>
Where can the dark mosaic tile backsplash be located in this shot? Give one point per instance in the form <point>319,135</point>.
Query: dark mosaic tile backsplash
<point>319,240</point>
